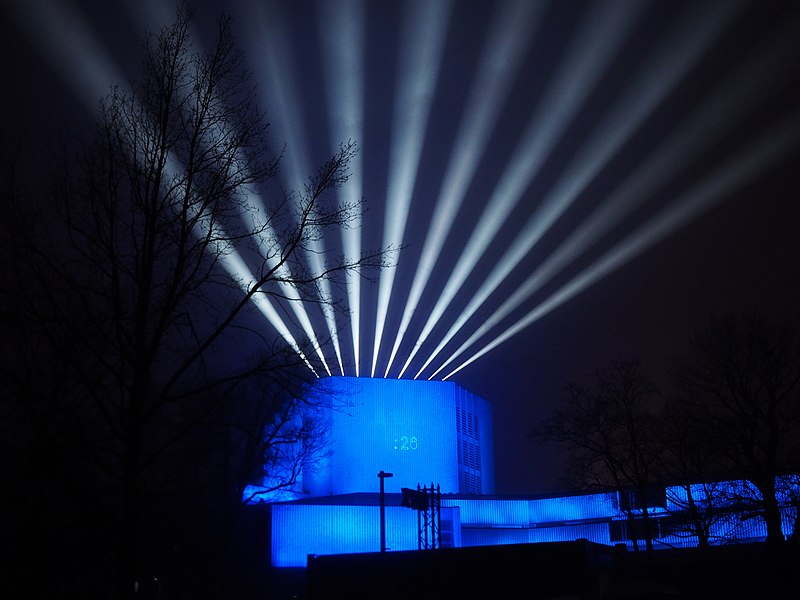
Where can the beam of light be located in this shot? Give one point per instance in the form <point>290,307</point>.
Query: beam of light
<point>256,218</point>
<point>596,42</point>
<point>341,28</point>
<point>712,190</point>
<point>422,42</point>
<point>205,227</point>
<point>719,113</point>
<point>509,36</point>
<point>61,34</point>
<point>235,266</point>
<point>151,15</point>
<point>656,77</point>
<point>281,89</point>
<point>232,262</point>
<point>289,290</point>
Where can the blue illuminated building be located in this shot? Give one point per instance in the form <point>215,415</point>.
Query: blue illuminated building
<point>426,432</point>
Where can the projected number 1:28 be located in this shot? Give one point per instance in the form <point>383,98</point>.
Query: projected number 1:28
<point>406,442</point>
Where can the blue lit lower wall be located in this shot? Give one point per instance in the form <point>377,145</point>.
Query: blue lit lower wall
<point>573,508</point>
<point>435,432</point>
<point>303,529</point>
<point>300,529</point>
<point>491,511</point>
<point>404,427</point>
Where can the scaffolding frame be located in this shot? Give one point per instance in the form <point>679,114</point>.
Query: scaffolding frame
<point>427,501</point>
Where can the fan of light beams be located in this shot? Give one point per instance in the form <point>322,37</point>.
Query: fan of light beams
<point>518,151</point>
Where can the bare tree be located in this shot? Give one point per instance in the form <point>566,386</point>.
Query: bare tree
<point>698,503</point>
<point>138,289</point>
<point>789,496</point>
<point>742,378</point>
<point>610,434</point>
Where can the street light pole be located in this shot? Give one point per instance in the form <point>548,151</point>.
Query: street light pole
<point>382,475</point>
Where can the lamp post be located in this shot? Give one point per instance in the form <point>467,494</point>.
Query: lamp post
<point>383,475</point>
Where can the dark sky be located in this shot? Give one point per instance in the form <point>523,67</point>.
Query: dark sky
<point>686,113</point>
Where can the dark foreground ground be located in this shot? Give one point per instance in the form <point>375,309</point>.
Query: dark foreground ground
<point>575,570</point>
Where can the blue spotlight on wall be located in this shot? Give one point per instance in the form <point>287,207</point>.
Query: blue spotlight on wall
<point>418,430</point>
<point>421,431</point>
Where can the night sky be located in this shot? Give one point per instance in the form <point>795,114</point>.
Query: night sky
<point>686,113</point>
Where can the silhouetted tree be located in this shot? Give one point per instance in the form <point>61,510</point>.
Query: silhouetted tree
<point>610,434</point>
<point>789,493</point>
<point>134,292</point>
<point>696,500</point>
<point>741,379</point>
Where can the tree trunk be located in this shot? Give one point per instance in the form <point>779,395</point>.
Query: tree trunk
<point>129,540</point>
<point>772,512</point>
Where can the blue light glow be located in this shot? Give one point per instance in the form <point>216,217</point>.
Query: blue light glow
<point>409,428</point>
<point>489,512</point>
<point>301,530</point>
<point>404,427</point>
<point>318,529</point>
<point>349,524</point>
<point>573,508</point>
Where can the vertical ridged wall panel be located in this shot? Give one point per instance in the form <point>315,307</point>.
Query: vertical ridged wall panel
<point>476,443</point>
<point>572,508</point>
<point>733,527</point>
<point>488,511</point>
<point>302,529</point>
